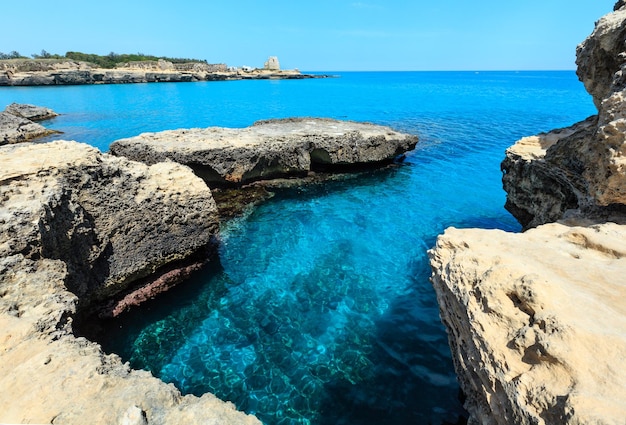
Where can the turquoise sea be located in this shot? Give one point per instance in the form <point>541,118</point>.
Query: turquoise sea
<point>320,310</point>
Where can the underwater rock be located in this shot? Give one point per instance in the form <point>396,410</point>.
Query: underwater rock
<point>269,149</point>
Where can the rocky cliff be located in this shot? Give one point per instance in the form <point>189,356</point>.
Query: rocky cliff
<point>77,227</point>
<point>536,322</point>
<point>269,149</point>
<point>581,169</point>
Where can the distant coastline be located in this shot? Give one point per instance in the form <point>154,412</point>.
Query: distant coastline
<point>66,71</point>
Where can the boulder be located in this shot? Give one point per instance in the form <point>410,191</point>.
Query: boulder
<point>15,129</point>
<point>110,220</point>
<point>77,226</point>
<point>536,321</point>
<point>30,112</point>
<point>269,149</point>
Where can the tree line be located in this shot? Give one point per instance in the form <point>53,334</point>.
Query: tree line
<point>106,61</point>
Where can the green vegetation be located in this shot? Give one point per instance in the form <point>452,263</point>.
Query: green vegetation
<point>11,55</point>
<point>108,61</point>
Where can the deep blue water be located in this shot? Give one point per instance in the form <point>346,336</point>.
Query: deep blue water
<point>321,310</point>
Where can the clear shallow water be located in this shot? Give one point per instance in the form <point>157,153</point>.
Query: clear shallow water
<point>320,310</point>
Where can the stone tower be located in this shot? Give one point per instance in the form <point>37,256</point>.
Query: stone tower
<point>272,64</point>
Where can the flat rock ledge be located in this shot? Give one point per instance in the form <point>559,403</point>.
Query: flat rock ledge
<point>536,321</point>
<point>269,149</point>
<point>17,123</point>
<point>77,227</point>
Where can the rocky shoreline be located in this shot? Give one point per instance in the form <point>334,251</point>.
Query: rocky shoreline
<point>66,72</point>
<point>536,321</point>
<point>85,233</point>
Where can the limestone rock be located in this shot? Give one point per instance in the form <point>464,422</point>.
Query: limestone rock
<point>269,149</point>
<point>536,322</point>
<point>30,112</point>
<point>50,376</point>
<point>583,171</point>
<point>601,55</point>
<point>15,129</point>
<point>76,224</point>
<point>112,221</point>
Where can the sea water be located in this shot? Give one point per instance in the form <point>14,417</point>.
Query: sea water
<point>320,309</point>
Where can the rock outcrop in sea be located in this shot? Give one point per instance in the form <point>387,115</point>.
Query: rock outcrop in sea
<point>536,320</point>
<point>269,149</point>
<point>17,123</point>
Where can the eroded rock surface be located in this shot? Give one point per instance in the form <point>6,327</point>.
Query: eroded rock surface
<point>269,149</point>
<point>50,376</point>
<point>582,171</point>
<point>77,226</point>
<point>536,322</point>
<point>15,129</point>
<point>111,220</point>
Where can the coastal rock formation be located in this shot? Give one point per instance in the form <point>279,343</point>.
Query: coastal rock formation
<point>30,112</point>
<point>14,129</point>
<point>580,170</point>
<point>50,376</point>
<point>16,123</point>
<point>110,220</point>
<point>536,321</point>
<point>269,149</point>
<point>77,225</point>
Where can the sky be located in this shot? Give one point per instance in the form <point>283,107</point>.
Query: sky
<point>320,35</point>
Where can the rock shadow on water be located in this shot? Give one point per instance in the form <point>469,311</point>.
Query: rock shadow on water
<point>412,378</point>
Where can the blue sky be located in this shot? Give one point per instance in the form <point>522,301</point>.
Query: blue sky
<point>321,35</point>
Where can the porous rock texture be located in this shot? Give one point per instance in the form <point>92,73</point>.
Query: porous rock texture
<point>112,221</point>
<point>269,149</point>
<point>582,169</point>
<point>77,226</point>
<point>536,321</point>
